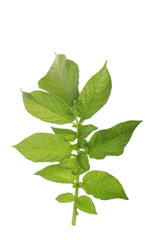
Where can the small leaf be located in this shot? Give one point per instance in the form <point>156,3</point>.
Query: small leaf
<point>85,130</point>
<point>75,147</point>
<point>83,143</point>
<point>83,160</point>
<point>57,174</point>
<point>85,204</point>
<point>102,185</point>
<point>94,95</point>
<point>62,79</point>
<point>48,107</point>
<point>70,163</point>
<point>66,133</point>
<point>44,147</point>
<point>111,141</point>
<point>65,198</point>
<point>79,171</point>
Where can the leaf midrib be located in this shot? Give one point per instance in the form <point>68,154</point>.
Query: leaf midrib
<point>62,82</point>
<point>57,114</point>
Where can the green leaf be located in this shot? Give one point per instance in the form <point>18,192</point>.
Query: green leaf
<point>82,159</point>
<point>70,163</point>
<point>85,204</point>
<point>82,143</point>
<point>85,130</point>
<point>66,133</point>
<point>44,147</point>
<point>62,79</point>
<point>79,171</point>
<point>48,107</point>
<point>94,95</point>
<point>57,174</point>
<point>111,141</point>
<point>102,185</point>
<point>65,198</point>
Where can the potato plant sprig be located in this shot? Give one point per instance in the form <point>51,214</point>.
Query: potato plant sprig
<point>61,103</point>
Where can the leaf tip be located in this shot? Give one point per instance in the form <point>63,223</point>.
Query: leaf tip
<point>105,65</point>
<point>36,173</point>
<point>126,198</point>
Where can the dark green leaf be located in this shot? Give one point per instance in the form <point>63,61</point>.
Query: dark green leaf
<point>66,133</point>
<point>85,204</point>
<point>65,198</point>
<point>85,130</point>
<point>94,95</point>
<point>83,160</point>
<point>70,163</point>
<point>111,141</point>
<point>48,107</point>
<point>57,174</point>
<point>44,147</point>
<point>62,79</point>
<point>102,185</point>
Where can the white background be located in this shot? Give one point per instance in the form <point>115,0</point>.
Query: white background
<point>126,33</point>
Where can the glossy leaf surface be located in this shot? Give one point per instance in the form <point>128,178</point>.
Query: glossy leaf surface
<point>48,107</point>
<point>94,94</point>
<point>102,185</point>
<point>111,141</point>
<point>57,174</point>
<point>44,147</point>
<point>62,79</point>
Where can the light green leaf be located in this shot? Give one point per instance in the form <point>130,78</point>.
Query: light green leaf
<point>85,204</point>
<point>85,130</point>
<point>94,95</point>
<point>70,163</point>
<point>102,185</point>
<point>48,107</point>
<point>44,147</point>
<point>62,79</point>
<point>57,174</point>
<point>66,133</point>
<point>111,141</point>
<point>65,198</point>
<point>82,159</point>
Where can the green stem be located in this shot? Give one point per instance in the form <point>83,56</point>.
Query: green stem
<point>76,189</point>
<point>74,205</point>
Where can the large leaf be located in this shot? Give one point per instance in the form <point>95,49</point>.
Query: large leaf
<point>82,159</point>
<point>57,174</point>
<point>85,204</point>
<point>44,147</point>
<point>48,107</point>
<point>94,95</point>
<point>111,141</point>
<point>66,133</point>
<point>85,130</point>
<point>102,185</point>
<point>62,79</point>
<point>65,198</point>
